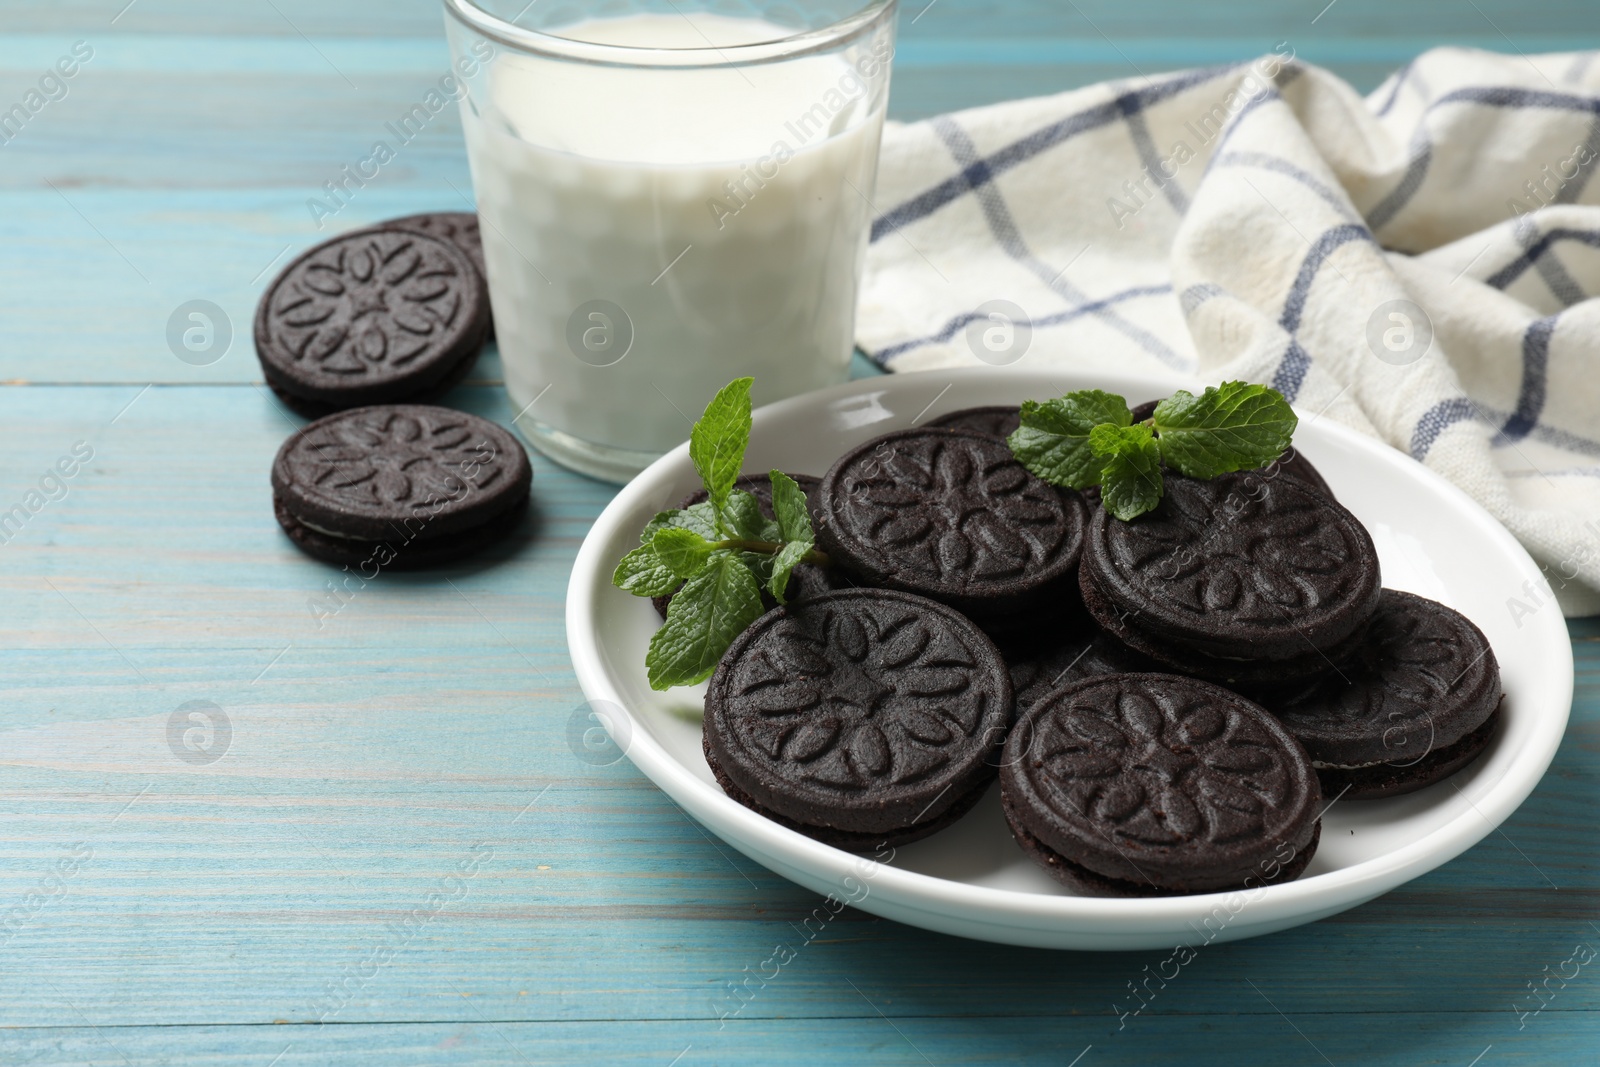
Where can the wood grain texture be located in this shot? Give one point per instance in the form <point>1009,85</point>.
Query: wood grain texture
<point>400,859</point>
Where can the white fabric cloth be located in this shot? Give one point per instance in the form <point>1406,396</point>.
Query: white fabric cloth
<point>1260,222</point>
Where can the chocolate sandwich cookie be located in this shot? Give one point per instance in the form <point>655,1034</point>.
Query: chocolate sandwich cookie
<point>1251,583</point>
<point>371,317</point>
<point>460,228</point>
<point>806,580</point>
<point>1156,785</point>
<point>1419,701</point>
<point>998,421</point>
<point>399,486</point>
<point>862,718</point>
<point>951,515</point>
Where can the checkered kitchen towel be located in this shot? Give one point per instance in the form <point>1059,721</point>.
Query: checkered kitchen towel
<point>1422,264</point>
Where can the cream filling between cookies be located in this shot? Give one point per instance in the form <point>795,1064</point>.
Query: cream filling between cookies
<point>331,533</point>
<point>1319,765</point>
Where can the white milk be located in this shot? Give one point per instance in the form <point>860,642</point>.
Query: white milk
<point>723,210</point>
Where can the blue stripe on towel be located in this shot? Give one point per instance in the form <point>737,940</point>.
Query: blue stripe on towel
<point>1535,377</point>
<point>1139,130</point>
<point>1292,369</point>
<point>1435,421</point>
<point>1260,160</point>
<point>1395,86</point>
<point>1503,277</point>
<point>1295,304</point>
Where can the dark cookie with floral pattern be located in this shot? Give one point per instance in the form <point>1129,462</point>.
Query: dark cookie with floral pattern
<point>371,317</point>
<point>807,580</point>
<point>426,483</point>
<point>1236,568</point>
<point>951,515</point>
<point>1259,680</point>
<point>1415,704</point>
<point>460,228</point>
<point>1156,785</point>
<point>860,717</point>
<point>999,421</point>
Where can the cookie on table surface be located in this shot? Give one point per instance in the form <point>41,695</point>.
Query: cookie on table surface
<point>371,317</point>
<point>806,580</point>
<point>1156,785</point>
<point>1234,579</point>
<point>406,485</point>
<point>951,515</point>
<point>1418,701</point>
<point>460,228</point>
<point>861,718</point>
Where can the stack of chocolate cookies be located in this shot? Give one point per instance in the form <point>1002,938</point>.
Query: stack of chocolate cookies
<point>358,333</point>
<point>1169,703</point>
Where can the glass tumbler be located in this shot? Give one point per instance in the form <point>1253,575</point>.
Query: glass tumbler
<point>671,195</point>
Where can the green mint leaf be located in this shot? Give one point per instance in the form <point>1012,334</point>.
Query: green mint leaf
<point>760,565</point>
<point>1108,440</point>
<point>1230,427</point>
<point>701,518</point>
<point>789,504</point>
<point>1053,440</point>
<point>1130,475</point>
<point>742,518</point>
<point>683,552</point>
<point>642,573</point>
<point>718,440</point>
<point>705,616</point>
<point>783,565</point>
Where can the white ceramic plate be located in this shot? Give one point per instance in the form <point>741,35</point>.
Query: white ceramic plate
<point>971,879</point>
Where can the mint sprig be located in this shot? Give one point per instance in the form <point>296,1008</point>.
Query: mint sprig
<point>1053,441</point>
<point>1088,438</point>
<point>1229,427</point>
<point>723,551</point>
<point>717,442</point>
<point>1130,474</point>
<point>711,609</point>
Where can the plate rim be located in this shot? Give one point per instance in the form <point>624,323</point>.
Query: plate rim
<point>1013,908</point>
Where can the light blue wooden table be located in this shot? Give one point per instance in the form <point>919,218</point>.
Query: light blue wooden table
<point>398,858</point>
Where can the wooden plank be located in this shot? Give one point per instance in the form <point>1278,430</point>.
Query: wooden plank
<point>1398,1039</point>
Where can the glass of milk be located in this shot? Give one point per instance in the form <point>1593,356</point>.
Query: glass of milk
<point>672,194</point>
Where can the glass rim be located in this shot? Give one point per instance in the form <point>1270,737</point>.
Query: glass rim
<point>807,42</point>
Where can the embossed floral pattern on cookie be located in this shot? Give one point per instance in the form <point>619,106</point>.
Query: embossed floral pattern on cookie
<point>857,695</point>
<point>949,513</point>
